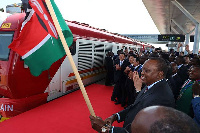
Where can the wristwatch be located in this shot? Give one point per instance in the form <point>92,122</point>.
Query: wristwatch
<point>106,128</point>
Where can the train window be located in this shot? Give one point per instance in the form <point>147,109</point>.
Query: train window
<point>117,47</point>
<point>6,38</point>
<point>72,48</point>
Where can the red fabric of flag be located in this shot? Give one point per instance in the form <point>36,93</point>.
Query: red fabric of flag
<point>30,36</point>
<point>40,9</point>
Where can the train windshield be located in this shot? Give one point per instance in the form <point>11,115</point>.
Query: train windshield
<point>5,40</point>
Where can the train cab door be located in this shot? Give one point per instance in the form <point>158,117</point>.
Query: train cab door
<point>57,86</point>
<point>54,88</point>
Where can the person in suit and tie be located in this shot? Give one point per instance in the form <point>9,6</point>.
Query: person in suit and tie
<point>119,78</point>
<point>128,70</point>
<point>109,69</point>
<point>129,85</point>
<point>177,80</point>
<point>156,92</point>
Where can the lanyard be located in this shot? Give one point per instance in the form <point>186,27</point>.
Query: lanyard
<point>185,87</point>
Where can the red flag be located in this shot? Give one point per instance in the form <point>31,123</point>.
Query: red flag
<point>40,9</point>
<point>37,25</point>
<point>35,44</point>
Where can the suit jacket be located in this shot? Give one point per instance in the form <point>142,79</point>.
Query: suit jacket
<point>109,70</point>
<point>119,74</point>
<point>175,83</point>
<point>196,109</point>
<point>183,73</point>
<point>109,63</point>
<point>129,85</point>
<point>178,80</point>
<point>131,67</point>
<point>159,94</point>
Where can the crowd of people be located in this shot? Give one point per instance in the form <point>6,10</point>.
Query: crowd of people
<point>161,87</point>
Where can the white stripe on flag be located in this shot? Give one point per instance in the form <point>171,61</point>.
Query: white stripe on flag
<point>53,29</point>
<point>37,46</point>
<point>28,18</point>
<point>37,4</point>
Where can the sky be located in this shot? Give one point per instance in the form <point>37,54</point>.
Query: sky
<point>117,16</point>
<point>123,17</point>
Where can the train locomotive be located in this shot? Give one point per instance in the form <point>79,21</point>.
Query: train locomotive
<point>20,91</point>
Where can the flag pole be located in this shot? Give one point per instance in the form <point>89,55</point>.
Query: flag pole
<point>64,43</point>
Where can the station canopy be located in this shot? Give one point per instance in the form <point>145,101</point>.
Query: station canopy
<point>169,19</point>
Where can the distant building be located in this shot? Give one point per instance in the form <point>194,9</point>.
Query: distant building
<point>146,38</point>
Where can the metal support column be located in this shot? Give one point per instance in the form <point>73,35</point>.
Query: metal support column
<point>174,30</point>
<point>196,40</point>
<point>187,41</point>
<point>179,26</point>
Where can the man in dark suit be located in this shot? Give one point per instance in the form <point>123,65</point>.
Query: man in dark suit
<point>119,78</point>
<point>156,92</point>
<point>129,85</point>
<point>109,69</point>
<point>177,80</point>
<point>182,70</point>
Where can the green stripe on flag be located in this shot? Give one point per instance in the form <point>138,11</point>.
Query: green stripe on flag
<point>63,25</point>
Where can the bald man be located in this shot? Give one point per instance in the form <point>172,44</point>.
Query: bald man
<point>160,119</point>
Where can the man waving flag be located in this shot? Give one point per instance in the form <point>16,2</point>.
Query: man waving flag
<point>38,42</point>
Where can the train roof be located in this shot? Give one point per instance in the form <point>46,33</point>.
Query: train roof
<point>14,20</point>
<point>80,30</point>
<point>84,30</point>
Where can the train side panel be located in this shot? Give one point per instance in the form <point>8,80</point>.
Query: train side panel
<point>89,59</point>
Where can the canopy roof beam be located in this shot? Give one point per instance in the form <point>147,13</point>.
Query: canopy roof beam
<point>180,7</point>
<point>174,30</point>
<point>196,39</point>
<point>197,28</point>
<point>180,27</point>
